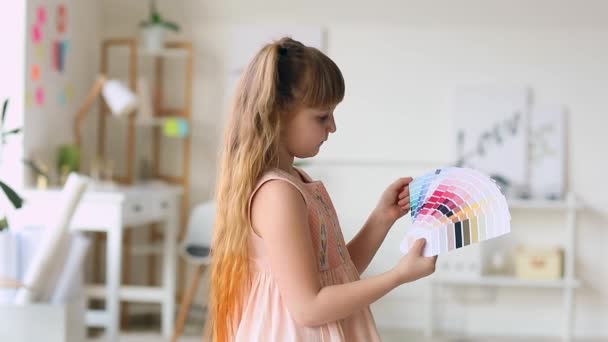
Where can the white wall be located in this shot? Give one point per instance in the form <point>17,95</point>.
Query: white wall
<point>400,60</point>
<point>400,103</point>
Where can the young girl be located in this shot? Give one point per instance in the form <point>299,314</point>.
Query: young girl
<point>281,269</point>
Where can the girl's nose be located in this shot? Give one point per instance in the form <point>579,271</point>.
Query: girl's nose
<point>332,125</point>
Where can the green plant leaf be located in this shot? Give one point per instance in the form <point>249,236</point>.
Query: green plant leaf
<point>170,26</point>
<point>3,112</point>
<point>34,166</point>
<point>15,199</point>
<point>155,18</point>
<point>11,132</point>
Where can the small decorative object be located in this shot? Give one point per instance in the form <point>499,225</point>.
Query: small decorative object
<point>41,172</point>
<point>96,164</point>
<point>463,262</point>
<point>539,263</point>
<point>108,171</point>
<point>42,183</point>
<point>102,172</point>
<point>453,208</point>
<point>176,128</point>
<point>498,263</point>
<point>68,159</point>
<point>153,30</point>
<point>64,172</point>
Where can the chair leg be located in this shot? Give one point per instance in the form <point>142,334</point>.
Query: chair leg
<point>187,302</point>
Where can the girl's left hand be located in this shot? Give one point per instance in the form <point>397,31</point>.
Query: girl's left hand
<point>394,202</point>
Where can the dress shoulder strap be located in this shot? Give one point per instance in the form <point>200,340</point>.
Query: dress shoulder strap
<point>273,175</point>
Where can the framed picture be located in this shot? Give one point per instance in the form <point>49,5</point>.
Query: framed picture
<point>547,154</point>
<point>491,126</point>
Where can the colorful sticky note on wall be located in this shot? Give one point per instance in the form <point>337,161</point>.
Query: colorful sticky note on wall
<point>61,97</point>
<point>69,92</point>
<point>37,33</point>
<point>35,72</point>
<point>60,48</point>
<point>176,128</point>
<point>65,94</point>
<point>56,55</point>
<point>62,18</point>
<point>29,99</point>
<point>39,96</point>
<point>40,51</point>
<point>41,14</point>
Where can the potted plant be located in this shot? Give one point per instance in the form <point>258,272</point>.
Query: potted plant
<point>154,29</point>
<point>13,197</point>
<point>8,240</point>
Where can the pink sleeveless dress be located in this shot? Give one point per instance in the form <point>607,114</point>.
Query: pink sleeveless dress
<point>265,317</point>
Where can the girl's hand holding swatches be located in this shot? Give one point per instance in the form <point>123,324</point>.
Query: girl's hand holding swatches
<point>413,265</point>
<point>394,204</point>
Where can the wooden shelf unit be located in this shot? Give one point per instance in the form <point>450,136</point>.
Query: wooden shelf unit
<point>173,49</point>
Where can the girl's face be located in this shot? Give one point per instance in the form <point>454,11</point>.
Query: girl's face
<point>307,129</point>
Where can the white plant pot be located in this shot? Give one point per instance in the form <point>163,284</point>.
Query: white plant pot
<point>153,38</point>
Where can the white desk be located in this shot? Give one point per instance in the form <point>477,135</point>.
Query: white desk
<point>110,210</point>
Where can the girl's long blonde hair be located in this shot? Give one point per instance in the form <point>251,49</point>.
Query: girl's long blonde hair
<point>283,76</point>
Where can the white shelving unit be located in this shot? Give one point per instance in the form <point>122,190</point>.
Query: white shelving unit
<point>567,284</point>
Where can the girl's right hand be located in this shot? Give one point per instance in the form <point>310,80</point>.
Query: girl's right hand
<point>413,265</point>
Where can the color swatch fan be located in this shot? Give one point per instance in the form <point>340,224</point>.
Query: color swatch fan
<point>454,207</point>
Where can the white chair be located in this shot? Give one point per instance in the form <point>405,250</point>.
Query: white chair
<point>196,250</point>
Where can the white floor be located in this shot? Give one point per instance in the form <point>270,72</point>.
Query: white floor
<point>387,336</point>
<point>149,331</point>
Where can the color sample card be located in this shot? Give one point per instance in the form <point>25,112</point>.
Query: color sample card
<point>455,207</point>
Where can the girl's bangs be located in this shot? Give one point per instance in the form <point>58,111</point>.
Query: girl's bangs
<point>323,86</point>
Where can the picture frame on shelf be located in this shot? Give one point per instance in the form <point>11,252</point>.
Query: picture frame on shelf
<point>547,154</point>
<point>491,126</point>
